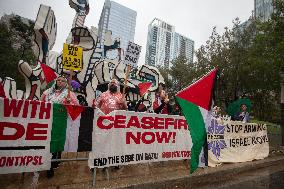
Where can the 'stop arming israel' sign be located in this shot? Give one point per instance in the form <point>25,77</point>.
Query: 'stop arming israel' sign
<point>132,54</point>
<point>72,57</point>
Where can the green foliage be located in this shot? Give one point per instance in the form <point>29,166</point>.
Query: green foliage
<point>179,75</point>
<point>15,45</point>
<point>180,72</point>
<point>249,57</point>
<point>271,127</point>
<point>22,34</point>
<point>166,75</point>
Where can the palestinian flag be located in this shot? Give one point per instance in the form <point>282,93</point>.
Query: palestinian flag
<point>141,87</point>
<point>72,128</point>
<point>49,74</point>
<point>195,102</point>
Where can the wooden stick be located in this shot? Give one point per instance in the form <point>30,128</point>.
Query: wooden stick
<point>126,79</point>
<point>69,82</point>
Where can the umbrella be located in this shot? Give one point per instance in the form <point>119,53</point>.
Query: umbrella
<point>234,107</point>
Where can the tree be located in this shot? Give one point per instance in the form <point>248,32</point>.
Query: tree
<point>179,76</point>
<point>249,60</point>
<point>21,34</point>
<point>167,78</point>
<point>266,54</point>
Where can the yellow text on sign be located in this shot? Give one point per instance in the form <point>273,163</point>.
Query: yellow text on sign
<point>72,57</point>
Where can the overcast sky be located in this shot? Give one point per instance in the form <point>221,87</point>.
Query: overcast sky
<point>191,18</point>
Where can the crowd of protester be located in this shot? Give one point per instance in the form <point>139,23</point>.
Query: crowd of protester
<point>113,99</point>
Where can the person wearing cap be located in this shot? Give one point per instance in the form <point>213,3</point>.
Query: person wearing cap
<point>112,99</point>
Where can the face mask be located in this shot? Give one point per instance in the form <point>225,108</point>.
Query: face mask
<point>113,88</point>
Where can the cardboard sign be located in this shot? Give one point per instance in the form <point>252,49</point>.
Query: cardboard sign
<point>132,54</point>
<point>122,138</point>
<point>72,57</point>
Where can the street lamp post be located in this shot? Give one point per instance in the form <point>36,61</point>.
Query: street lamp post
<point>282,106</point>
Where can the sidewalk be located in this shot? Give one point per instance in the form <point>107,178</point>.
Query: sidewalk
<point>77,175</point>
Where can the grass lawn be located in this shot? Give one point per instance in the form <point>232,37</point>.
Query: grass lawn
<point>272,128</point>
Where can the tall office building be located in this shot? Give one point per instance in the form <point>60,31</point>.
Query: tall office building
<point>164,44</point>
<point>183,46</point>
<point>263,9</point>
<point>120,20</point>
<point>160,41</point>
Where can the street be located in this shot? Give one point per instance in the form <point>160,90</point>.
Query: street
<point>270,177</point>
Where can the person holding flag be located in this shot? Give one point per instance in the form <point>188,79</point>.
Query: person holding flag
<point>195,102</point>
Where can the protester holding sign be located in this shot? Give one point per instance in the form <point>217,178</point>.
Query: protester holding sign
<point>112,99</point>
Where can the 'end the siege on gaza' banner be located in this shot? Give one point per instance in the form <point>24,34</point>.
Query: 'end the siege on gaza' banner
<point>234,141</point>
<point>124,137</point>
<point>24,135</point>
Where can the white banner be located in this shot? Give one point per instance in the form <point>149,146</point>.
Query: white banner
<point>124,137</point>
<point>24,135</point>
<point>132,54</point>
<point>234,141</point>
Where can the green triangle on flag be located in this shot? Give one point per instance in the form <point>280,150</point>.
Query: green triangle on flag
<point>195,102</point>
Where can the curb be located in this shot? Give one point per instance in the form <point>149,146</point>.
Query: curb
<point>211,176</point>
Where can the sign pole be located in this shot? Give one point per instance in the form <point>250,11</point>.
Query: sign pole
<point>69,82</point>
<point>126,79</point>
<point>94,176</point>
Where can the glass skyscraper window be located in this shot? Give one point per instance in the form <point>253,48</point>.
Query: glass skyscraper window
<point>164,44</point>
<point>263,9</point>
<point>121,21</point>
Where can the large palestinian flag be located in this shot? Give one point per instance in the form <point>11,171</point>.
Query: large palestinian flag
<point>72,128</point>
<point>195,102</point>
